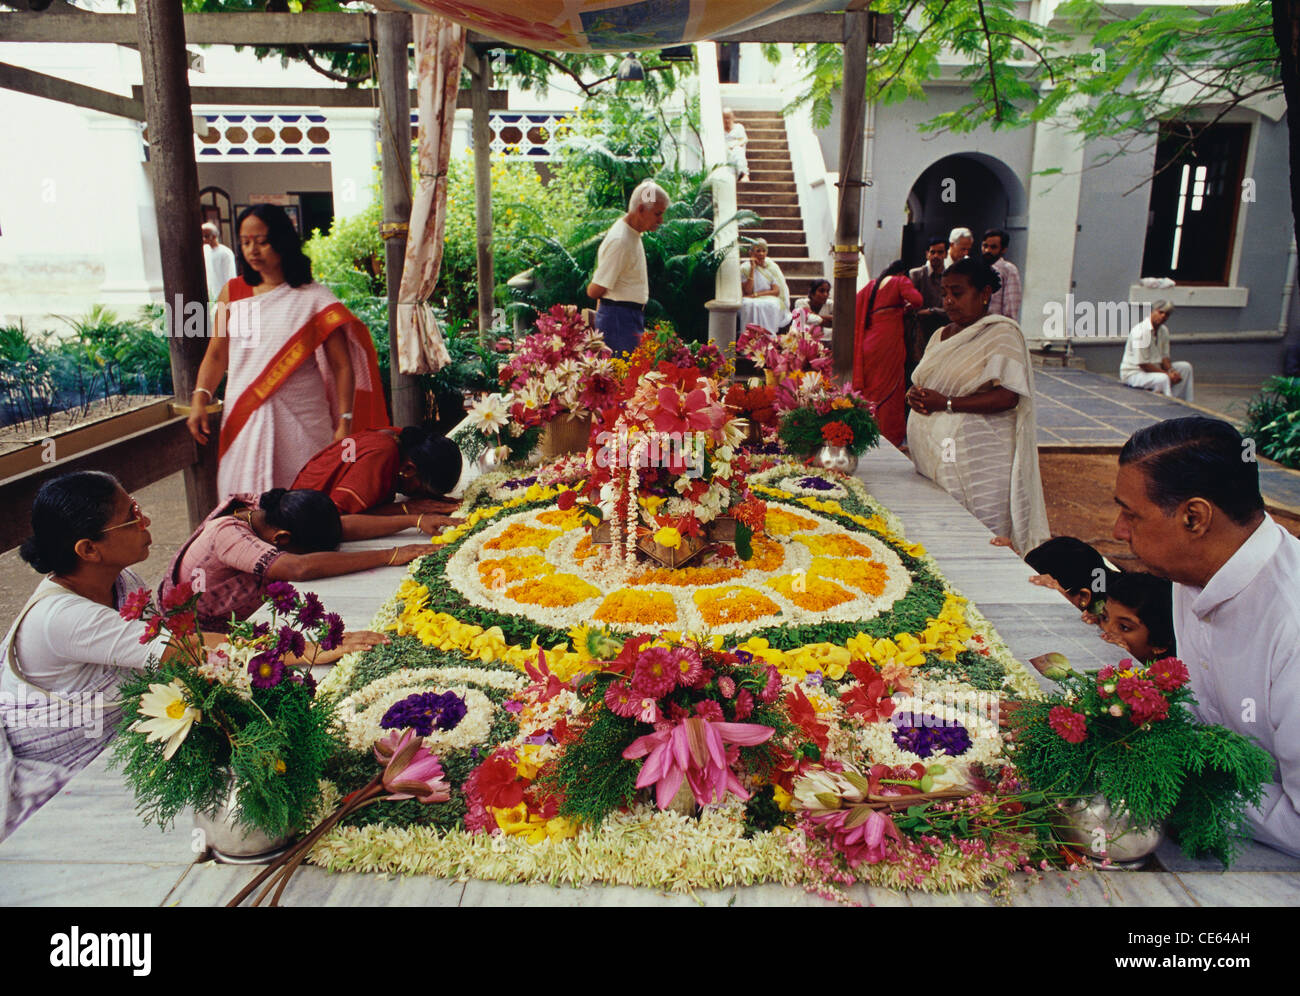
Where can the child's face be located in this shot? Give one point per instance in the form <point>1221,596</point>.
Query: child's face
<point>1120,625</point>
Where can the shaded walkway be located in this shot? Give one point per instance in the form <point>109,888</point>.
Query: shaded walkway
<point>1078,408</point>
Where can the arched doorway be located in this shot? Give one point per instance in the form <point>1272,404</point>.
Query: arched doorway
<point>970,190</point>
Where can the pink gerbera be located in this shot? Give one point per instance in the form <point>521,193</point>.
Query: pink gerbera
<point>1144,700</point>
<point>621,700</point>
<point>1169,674</point>
<point>134,604</point>
<point>773,687</point>
<point>710,710</point>
<point>689,668</point>
<point>1070,726</point>
<point>656,672</point>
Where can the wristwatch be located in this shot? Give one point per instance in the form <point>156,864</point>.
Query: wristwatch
<point>950,411</point>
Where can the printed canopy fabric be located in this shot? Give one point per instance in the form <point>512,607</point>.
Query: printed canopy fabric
<point>613,25</point>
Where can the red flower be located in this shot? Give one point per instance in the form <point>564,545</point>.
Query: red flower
<point>567,500</point>
<point>805,717</point>
<point>837,434</point>
<point>744,704</point>
<point>1169,674</point>
<point>499,783</point>
<point>710,710</point>
<point>151,629</point>
<point>177,596</point>
<point>878,773</point>
<point>1146,703</point>
<point>182,624</point>
<point>1070,726</point>
<point>870,699</point>
<point>134,604</point>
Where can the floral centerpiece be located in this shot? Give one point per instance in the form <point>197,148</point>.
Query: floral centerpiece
<point>1126,733</point>
<point>814,414</point>
<point>246,711</point>
<point>757,405</point>
<point>563,367</point>
<point>799,349</point>
<point>489,426</point>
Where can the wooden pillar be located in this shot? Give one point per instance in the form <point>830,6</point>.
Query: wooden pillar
<point>481,71</point>
<point>392,44</point>
<point>848,228</point>
<point>165,67</point>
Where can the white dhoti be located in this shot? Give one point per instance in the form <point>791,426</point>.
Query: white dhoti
<point>1162,383</point>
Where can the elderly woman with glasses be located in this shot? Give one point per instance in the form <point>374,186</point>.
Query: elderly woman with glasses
<point>766,298</point>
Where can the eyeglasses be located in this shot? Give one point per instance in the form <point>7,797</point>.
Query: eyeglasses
<point>137,518</point>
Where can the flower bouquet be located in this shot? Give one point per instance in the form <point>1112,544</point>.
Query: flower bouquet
<point>488,426</point>
<point>757,405</point>
<point>798,350</point>
<point>245,711</point>
<point>815,414</point>
<point>1127,734</point>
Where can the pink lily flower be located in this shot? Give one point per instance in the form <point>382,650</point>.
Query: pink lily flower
<point>551,686</point>
<point>685,414</point>
<point>858,832</point>
<point>694,749</point>
<point>411,771</point>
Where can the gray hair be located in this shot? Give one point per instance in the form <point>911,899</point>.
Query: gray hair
<point>1162,305</point>
<point>210,228</point>
<point>758,244</point>
<point>960,233</point>
<point>647,194</point>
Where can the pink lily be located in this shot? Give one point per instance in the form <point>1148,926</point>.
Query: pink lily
<point>858,832</point>
<point>685,414</point>
<point>694,749</point>
<point>551,686</point>
<point>411,771</point>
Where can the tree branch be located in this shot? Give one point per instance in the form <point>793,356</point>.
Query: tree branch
<point>993,79</point>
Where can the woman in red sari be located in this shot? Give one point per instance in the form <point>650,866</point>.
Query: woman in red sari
<point>879,350</point>
<point>302,368</point>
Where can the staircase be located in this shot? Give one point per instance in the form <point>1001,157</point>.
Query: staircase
<point>770,192</point>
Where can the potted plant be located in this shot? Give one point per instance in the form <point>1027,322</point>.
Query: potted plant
<point>1124,746</point>
<point>836,425</point>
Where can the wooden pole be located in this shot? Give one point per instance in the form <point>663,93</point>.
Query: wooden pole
<point>482,83</point>
<point>165,67</point>
<point>392,42</point>
<point>848,229</point>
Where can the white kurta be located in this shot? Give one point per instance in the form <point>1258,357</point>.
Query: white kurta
<point>989,463</point>
<point>770,311</point>
<point>1239,637</point>
<point>297,421</point>
<point>737,158</point>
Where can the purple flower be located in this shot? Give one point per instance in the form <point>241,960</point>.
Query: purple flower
<point>311,611</point>
<point>291,642</point>
<point>305,679</point>
<point>334,633</point>
<point>926,735</point>
<point>261,629</point>
<point>816,484</point>
<point>521,482</point>
<point>544,737</point>
<point>282,596</point>
<point>267,669</point>
<point>513,706</point>
<point>815,678</point>
<point>424,712</point>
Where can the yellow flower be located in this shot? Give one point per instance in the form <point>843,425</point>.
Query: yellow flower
<point>782,799</point>
<point>669,537</point>
<point>652,503</point>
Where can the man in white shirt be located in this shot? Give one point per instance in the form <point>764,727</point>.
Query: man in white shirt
<point>1006,299</point>
<point>960,241</point>
<point>620,283</point>
<point>219,260</point>
<point>1190,508</point>
<point>1146,363</point>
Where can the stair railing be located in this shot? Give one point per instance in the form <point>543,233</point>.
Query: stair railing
<point>725,304</point>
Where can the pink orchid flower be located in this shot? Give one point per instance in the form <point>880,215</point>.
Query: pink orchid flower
<point>411,771</point>
<point>858,832</point>
<point>694,749</point>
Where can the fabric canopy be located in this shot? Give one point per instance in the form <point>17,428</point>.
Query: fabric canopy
<point>612,25</point>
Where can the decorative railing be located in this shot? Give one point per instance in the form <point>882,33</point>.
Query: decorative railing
<point>247,135</point>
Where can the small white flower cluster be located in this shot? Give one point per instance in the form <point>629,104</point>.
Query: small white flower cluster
<point>227,665</point>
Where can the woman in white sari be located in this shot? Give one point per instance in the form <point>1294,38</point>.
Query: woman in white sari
<point>766,299</point>
<point>972,428</point>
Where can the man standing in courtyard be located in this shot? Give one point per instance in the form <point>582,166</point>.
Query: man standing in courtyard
<point>218,260</point>
<point>1190,509</point>
<point>620,285</point>
<point>960,241</point>
<point>1146,363</point>
<point>920,325</point>
<point>1006,299</point>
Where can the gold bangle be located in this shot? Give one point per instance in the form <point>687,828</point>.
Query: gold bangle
<point>418,520</point>
<point>405,510</point>
<point>393,556</point>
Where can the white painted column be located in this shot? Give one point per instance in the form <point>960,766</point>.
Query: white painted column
<point>1053,219</point>
<point>462,132</point>
<point>121,204</point>
<point>354,156</point>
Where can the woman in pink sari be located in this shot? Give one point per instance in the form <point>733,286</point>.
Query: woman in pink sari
<point>302,371</point>
<point>879,350</point>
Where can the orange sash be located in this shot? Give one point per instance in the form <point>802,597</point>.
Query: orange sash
<point>369,410</point>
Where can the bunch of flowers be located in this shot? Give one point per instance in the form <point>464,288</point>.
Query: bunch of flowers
<point>756,404</point>
<point>1127,733</point>
<point>564,366</point>
<point>246,709</point>
<point>668,712</point>
<point>799,349</point>
<point>814,414</point>
<point>660,344</point>
<point>489,425</point>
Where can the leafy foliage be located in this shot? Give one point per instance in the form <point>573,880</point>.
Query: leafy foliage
<point>1273,421</point>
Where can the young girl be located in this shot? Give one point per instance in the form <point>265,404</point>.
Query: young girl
<point>1139,616</point>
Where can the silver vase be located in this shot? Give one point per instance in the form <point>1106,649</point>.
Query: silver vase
<point>836,458</point>
<point>234,843</point>
<point>1107,839</point>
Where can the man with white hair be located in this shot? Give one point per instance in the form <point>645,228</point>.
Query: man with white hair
<point>1146,362</point>
<point>219,261</point>
<point>620,284</point>
<point>960,241</point>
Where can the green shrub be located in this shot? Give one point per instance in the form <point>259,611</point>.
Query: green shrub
<point>1273,421</point>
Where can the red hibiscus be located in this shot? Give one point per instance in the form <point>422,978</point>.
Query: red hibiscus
<point>805,717</point>
<point>870,700</point>
<point>499,783</point>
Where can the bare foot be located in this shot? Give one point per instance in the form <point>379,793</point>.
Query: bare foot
<point>1000,541</point>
